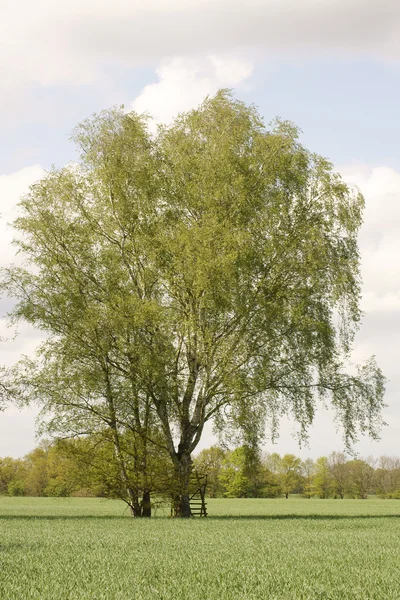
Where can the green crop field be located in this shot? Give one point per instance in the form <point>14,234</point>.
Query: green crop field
<point>59,549</point>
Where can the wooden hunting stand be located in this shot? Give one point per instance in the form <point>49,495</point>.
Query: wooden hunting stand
<point>198,485</point>
<point>197,496</point>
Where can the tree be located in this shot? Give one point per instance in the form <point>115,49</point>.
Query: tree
<point>387,476</point>
<point>209,461</point>
<point>83,395</point>
<point>12,475</point>
<point>360,478</point>
<point>235,482</point>
<point>196,275</point>
<point>37,476</point>
<point>273,461</point>
<point>340,472</point>
<point>323,481</point>
<point>289,471</point>
<point>307,471</point>
<point>242,474</point>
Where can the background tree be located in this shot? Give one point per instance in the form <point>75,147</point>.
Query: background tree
<point>209,461</point>
<point>243,474</point>
<point>387,476</point>
<point>233,475</point>
<point>323,480</point>
<point>86,466</point>
<point>360,478</point>
<point>12,476</point>
<point>289,473</point>
<point>272,487</point>
<point>273,461</point>
<point>307,471</point>
<point>65,476</point>
<point>340,473</point>
<point>235,482</point>
<point>37,475</point>
<point>213,260</point>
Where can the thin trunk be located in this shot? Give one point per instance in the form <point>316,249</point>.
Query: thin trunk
<point>146,500</point>
<point>134,504</point>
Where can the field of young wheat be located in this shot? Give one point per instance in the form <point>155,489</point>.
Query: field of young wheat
<point>90,549</point>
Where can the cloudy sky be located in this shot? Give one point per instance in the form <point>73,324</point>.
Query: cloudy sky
<point>332,66</point>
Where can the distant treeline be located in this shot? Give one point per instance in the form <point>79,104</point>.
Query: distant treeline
<point>246,473</point>
<point>56,469</point>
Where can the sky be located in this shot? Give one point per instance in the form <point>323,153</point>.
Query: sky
<point>331,66</point>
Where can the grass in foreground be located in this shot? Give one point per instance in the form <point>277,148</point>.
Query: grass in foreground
<point>75,549</point>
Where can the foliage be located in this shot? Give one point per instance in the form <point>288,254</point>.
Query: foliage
<point>289,473</point>
<point>209,461</point>
<point>387,476</point>
<point>307,471</point>
<point>339,472</point>
<point>234,474</point>
<point>360,478</point>
<point>45,471</point>
<point>12,471</point>
<point>244,475</point>
<point>78,467</point>
<point>323,480</point>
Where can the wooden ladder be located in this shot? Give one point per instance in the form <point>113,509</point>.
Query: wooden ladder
<point>198,505</point>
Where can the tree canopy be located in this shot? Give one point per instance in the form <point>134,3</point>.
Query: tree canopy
<point>209,272</point>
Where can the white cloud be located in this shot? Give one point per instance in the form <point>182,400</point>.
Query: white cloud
<point>12,188</point>
<point>51,42</point>
<point>17,431</point>
<point>185,82</point>
<point>17,428</point>
<point>379,243</point>
<point>15,185</point>
<point>381,188</point>
<point>16,342</point>
<point>372,302</point>
<point>380,236</point>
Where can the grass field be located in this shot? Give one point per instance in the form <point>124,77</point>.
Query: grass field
<point>59,549</point>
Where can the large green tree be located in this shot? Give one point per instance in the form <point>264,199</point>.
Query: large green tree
<point>213,268</point>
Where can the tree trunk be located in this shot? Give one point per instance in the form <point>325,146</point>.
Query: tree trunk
<point>183,469</point>
<point>136,509</point>
<point>287,495</point>
<point>146,504</point>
